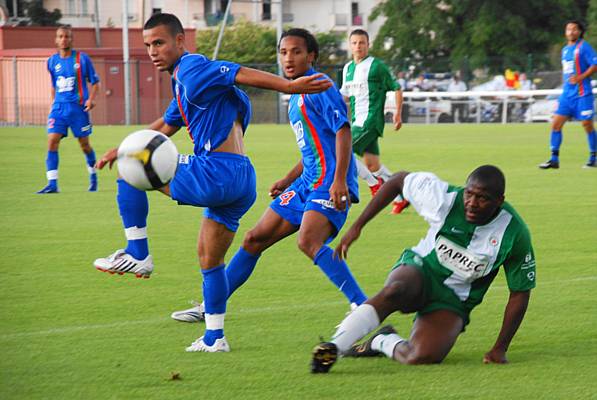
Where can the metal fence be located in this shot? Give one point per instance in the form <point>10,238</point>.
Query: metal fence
<point>25,97</point>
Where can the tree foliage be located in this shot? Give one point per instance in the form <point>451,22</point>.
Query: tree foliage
<point>476,30</point>
<point>249,43</point>
<point>40,16</point>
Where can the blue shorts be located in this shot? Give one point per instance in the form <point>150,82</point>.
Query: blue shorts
<point>65,115</point>
<point>579,108</point>
<point>223,183</point>
<point>298,198</point>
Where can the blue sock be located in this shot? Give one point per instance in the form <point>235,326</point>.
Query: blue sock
<point>134,207</point>
<point>337,271</point>
<point>556,142</point>
<point>52,167</point>
<point>215,294</point>
<point>239,269</point>
<point>90,159</point>
<point>592,139</point>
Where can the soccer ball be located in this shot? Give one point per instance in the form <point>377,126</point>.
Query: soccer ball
<point>147,159</point>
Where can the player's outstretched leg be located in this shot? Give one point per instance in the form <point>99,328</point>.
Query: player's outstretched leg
<point>399,204</point>
<point>51,173</point>
<point>135,259</point>
<point>324,356</point>
<point>367,348</point>
<point>373,182</point>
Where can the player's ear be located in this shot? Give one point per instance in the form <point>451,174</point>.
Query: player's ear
<point>311,57</point>
<point>179,40</point>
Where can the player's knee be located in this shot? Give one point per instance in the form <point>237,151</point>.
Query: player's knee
<point>253,242</point>
<point>308,246</point>
<point>422,357</point>
<point>588,125</point>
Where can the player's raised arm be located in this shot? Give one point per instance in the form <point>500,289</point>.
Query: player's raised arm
<point>384,196</point>
<point>513,315</point>
<point>265,80</point>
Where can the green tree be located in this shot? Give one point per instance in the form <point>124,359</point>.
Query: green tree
<point>482,32</point>
<point>591,34</point>
<point>40,16</point>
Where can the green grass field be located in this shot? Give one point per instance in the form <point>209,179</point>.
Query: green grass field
<point>70,332</point>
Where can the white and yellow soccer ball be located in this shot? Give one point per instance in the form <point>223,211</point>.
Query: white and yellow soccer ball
<point>147,159</point>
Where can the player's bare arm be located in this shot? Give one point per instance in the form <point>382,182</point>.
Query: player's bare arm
<point>278,187</point>
<point>90,103</point>
<point>574,79</point>
<point>339,189</point>
<point>384,196</point>
<point>158,125</point>
<point>398,114</point>
<point>266,80</point>
<point>513,316</point>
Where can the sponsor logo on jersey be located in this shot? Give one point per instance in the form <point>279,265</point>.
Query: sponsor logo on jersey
<point>299,133</point>
<point>224,69</point>
<point>77,65</point>
<point>299,102</point>
<point>324,203</point>
<point>65,84</point>
<point>463,262</point>
<point>183,158</point>
<point>567,67</point>
<point>355,88</point>
<point>286,197</point>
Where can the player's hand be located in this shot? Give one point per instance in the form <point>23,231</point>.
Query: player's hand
<point>397,121</point>
<point>108,158</point>
<point>278,188</point>
<point>89,104</point>
<point>350,236</point>
<point>339,195</point>
<point>309,84</point>
<point>574,79</point>
<point>495,356</point>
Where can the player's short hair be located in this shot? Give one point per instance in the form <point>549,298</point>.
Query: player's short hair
<point>169,20</point>
<point>64,27</point>
<point>581,26</point>
<point>491,177</point>
<point>359,32</point>
<point>312,45</point>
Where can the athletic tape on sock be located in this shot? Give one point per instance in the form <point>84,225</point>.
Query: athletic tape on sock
<point>135,233</point>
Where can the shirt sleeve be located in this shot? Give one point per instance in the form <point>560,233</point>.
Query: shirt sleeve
<point>344,89</point>
<point>50,70</point>
<point>389,82</point>
<point>520,264</point>
<point>90,73</point>
<point>334,107</point>
<point>210,73</point>
<point>428,195</point>
<point>172,115</point>
<point>589,54</point>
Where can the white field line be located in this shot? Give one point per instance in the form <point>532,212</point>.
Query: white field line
<point>253,310</point>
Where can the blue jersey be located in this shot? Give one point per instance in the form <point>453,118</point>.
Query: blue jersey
<point>576,59</point>
<point>206,101</point>
<point>315,119</point>
<point>70,76</point>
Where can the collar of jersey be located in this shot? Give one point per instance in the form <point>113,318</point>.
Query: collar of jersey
<point>179,60</point>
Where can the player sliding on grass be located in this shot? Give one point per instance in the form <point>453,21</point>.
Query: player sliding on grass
<point>472,232</point>
<point>218,176</point>
<point>313,199</point>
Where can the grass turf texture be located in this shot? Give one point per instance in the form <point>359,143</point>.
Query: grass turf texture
<point>69,331</point>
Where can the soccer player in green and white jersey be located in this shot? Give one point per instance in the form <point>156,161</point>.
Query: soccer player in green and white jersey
<point>472,233</point>
<point>365,82</point>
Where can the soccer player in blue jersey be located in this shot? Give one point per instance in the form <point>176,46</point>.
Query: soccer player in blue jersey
<point>70,71</point>
<point>313,199</point>
<point>218,176</point>
<point>579,62</point>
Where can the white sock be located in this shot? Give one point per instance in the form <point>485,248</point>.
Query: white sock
<point>364,173</point>
<point>214,321</point>
<point>386,343</point>
<point>383,172</point>
<point>357,324</point>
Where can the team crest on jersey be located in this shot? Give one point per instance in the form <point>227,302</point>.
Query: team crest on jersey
<point>531,275</point>
<point>494,241</point>
<point>77,65</point>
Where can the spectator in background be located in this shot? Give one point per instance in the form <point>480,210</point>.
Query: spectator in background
<point>524,83</point>
<point>459,106</point>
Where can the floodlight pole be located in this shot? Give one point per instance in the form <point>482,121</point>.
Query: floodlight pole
<point>125,62</point>
<point>219,42</point>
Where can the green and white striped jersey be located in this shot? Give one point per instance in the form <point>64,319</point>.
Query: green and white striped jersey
<point>366,84</point>
<point>464,256</point>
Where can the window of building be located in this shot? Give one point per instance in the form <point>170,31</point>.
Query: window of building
<point>266,10</point>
